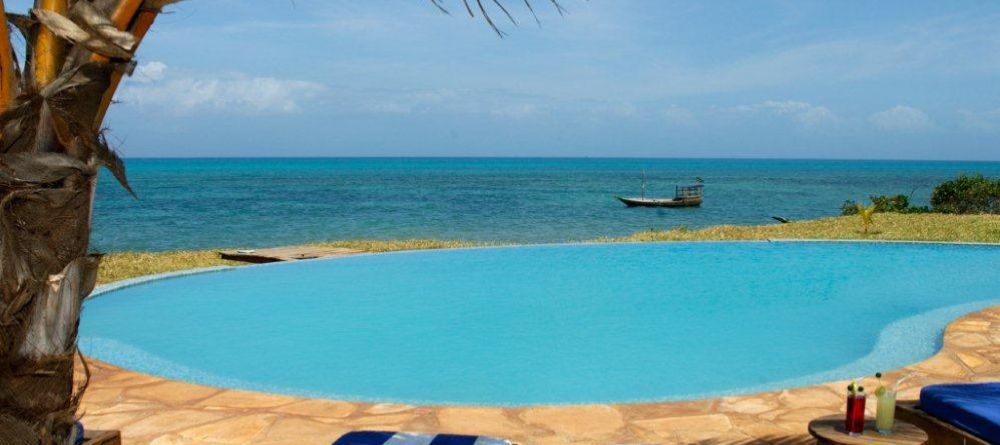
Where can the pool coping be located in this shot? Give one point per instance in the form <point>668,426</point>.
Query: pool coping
<point>128,282</point>
<point>158,411</point>
<point>880,241</point>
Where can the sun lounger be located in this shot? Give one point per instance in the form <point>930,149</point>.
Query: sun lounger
<point>396,438</point>
<point>961,414</point>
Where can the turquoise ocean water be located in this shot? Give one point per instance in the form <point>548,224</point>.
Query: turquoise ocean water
<point>205,203</point>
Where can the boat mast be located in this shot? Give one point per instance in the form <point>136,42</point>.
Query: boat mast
<point>643,183</point>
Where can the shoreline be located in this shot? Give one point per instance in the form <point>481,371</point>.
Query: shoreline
<point>985,229</point>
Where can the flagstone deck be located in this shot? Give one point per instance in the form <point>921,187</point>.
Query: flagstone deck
<point>155,411</point>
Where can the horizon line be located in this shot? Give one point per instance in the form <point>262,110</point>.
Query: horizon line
<point>742,158</point>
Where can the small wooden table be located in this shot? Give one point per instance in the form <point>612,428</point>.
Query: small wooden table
<point>830,430</point>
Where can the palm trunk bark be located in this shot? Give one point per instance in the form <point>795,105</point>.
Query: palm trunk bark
<point>46,271</point>
<point>50,151</point>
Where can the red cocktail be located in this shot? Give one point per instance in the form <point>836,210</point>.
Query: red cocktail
<point>855,421</point>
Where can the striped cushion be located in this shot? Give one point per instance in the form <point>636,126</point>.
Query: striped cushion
<point>394,438</point>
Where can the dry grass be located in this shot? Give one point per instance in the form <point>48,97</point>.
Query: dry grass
<point>887,226</point>
<point>124,265</point>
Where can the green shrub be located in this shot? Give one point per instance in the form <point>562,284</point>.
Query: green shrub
<point>967,195</point>
<point>884,204</point>
<point>898,203</point>
<point>849,207</point>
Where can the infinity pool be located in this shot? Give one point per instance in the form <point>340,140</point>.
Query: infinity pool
<point>549,324</point>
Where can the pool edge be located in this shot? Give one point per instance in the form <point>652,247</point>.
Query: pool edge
<point>121,284</point>
<point>970,351</point>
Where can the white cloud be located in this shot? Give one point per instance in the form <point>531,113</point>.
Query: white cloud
<point>624,109</point>
<point>518,111</point>
<point>802,112</point>
<point>398,102</point>
<point>988,120</point>
<point>816,116</point>
<point>901,118</point>
<point>154,86</point>
<point>354,25</point>
<point>149,72</point>
<point>497,103</point>
<point>387,107</point>
<point>594,109</point>
<point>680,116</point>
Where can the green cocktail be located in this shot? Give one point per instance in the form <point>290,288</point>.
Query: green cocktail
<point>885,412</point>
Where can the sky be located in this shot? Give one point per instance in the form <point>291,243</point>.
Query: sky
<point>849,79</point>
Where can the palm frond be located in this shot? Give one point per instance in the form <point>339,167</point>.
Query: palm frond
<point>559,8</point>
<point>489,19</point>
<point>527,3</point>
<point>471,6</point>
<point>505,11</point>
<point>437,4</point>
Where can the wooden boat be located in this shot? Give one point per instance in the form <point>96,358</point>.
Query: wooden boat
<point>684,196</point>
<point>661,202</point>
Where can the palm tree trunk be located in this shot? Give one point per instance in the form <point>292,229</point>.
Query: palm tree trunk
<point>47,197</point>
<point>50,151</point>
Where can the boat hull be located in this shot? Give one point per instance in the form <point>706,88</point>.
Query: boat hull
<point>669,202</point>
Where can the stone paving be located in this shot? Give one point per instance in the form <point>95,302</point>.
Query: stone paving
<point>155,411</point>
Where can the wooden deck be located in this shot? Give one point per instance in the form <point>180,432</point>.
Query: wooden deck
<point>289,253</point>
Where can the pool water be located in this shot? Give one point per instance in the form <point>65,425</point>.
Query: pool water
<point>551,324</point>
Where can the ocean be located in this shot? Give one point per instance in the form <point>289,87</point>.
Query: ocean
<point>258,202</point>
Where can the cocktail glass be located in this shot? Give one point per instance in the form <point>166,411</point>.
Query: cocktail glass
<point>885,413</point>
<point>849,415</point>
<point>857,415</point>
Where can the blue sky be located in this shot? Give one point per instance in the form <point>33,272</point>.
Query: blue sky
<point>803,79</point>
